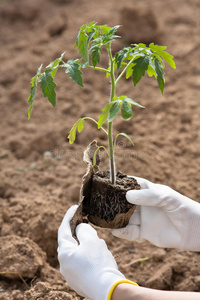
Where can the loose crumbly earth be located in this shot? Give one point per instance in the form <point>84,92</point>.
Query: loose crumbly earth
<point>41,173</point>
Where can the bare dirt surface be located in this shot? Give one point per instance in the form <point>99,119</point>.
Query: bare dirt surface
<point>41,173</point>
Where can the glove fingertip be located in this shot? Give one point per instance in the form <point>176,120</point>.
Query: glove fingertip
<point>132,196</point>
<point>85,232</point>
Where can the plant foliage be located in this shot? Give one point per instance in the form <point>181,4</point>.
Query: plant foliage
<point>134,61</point>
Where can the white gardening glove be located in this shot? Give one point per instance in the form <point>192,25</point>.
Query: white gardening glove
<point>163,217</point>
<point>89,267</point>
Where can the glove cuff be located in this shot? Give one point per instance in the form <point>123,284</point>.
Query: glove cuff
<point>116,284</point>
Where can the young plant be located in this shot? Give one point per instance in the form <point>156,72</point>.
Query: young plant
<point>132,61</point>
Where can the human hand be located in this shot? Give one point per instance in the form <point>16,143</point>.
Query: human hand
<point>89,267</point>
<point>163,217</point>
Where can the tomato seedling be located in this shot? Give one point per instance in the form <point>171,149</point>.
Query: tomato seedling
<point>133,61</point>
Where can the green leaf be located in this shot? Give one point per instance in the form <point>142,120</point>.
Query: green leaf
<point>95,55</point>
<point>119,57</point>
<point>72,134</point>
<point>73,69</point>
<point>34,82</point>
<point>114,111</point>
<point>39,70</point>
<point>129,70</point>
<point>104,115</point>
<point>151,69</point>
<point>113,30</point>
<point>90,36</point>
<point>110,35</point>
<point>120,97</point>
<point>55,64</point>
<point>48,71</point>
<point>82,44</point>
<point>166,56</point>
<point>160,75</point>
<point>156,56</point>
<point>31,98</point>
<point>139,68</point>
<point>48,88</point>
<point>133,102</point>
<point>126,110</point>
<point>80,125</point>
<point>104,28</point>
<point>32,93</point>
<point>30,110</point>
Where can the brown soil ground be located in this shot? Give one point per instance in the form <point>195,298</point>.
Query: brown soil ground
<point>41,173</point>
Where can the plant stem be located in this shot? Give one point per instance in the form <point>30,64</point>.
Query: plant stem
<point>89,118</point>
<point>97,68</point>
<point>110,129</point>
<point>95,153</point>
<point>124,70</point>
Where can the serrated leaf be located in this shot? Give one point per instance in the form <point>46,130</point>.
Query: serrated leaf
<point>80,125</point>
<point>160,75</point>
<point>166,56</point>
<point>114,111</point>
<point>110,35</point>
<point>104,115</point>
<point>48,88</point>
<point>82,43</point>
<point>95,56</point>
<point>104,28</point>
<point>140,66</point>
<point>126,110</point>
<point>73,69</point>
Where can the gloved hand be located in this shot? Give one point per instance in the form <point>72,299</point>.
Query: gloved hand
<point>89,267</point>
<point>163,217</point>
